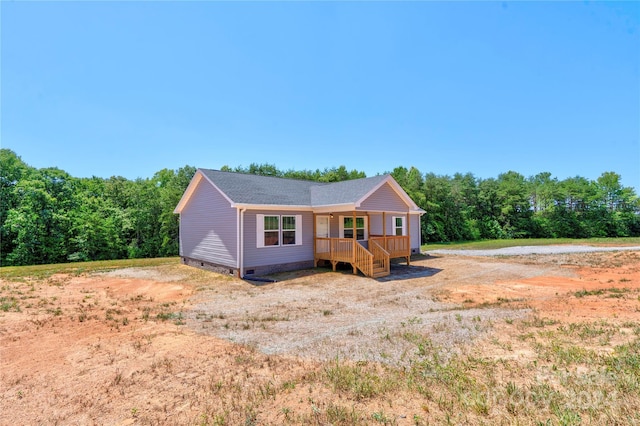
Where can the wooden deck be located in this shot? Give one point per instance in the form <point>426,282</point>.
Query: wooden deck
<point>374,262</point>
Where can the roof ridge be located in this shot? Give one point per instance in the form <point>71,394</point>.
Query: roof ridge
<point>266,176</point>
<point>294,179</point>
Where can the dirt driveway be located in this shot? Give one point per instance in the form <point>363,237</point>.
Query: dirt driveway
<point>158,345</point>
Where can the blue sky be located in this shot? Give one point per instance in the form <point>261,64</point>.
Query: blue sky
<point>130,88</point>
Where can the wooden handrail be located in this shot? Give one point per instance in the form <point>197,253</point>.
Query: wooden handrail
<point>376,247</point>
<point>380,256</point>
<point>364,260</point>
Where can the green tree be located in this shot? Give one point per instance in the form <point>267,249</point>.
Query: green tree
<point>339,174</point>
<point>12,171</point>
<point>621,205</point>
<point>444,219</point>
<point>99,226</point>
<point>464,190</point>
<point>544,191</point>
<point>171,185</point>
<point>515,210</point>
<point>489,210</point>
<point>29,223</point>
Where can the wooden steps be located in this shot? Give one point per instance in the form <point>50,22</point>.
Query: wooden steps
<point>380,272</point>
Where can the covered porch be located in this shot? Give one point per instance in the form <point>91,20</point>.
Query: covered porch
<point>365,240</point>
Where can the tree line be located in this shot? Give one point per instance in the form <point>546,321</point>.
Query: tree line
<point>48,216</point>
<point>463,207</point>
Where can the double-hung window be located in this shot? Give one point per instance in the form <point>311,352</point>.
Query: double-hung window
<point>399,227</point>
<point>271,230</point>
<point>278,230</point>
<point>288,230</point>
<point>347,229</point>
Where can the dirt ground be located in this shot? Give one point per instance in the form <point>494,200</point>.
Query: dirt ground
<point>176,345</point>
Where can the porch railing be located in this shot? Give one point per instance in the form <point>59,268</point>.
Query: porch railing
<point>396,246</point>
<point>335,249</point>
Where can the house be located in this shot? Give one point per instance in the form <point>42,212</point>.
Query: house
<point>248,224</point>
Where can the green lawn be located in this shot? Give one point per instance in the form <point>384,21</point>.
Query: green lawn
<point>496,244</point>
<point>44,271</point>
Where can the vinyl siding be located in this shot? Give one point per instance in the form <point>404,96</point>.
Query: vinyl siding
<point>334,223</point>
<point>415,231</point>
<point>375,224</point>
<point>208,227</point>
<point>384,199</point>
<point>375,220</point>
<point>263,256</point>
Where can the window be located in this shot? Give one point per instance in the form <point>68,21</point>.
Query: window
<point>272,230</point>
<point>398,226</point>
<point>346,227</point>
<point>288,230</point>
<point>275,230</point>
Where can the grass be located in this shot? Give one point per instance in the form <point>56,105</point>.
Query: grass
<point>77,268</point>
<point>359,381</point>
<point>613,292</point>
<point>497,244</point>
<point>579,383</point>
<point>9,304</point>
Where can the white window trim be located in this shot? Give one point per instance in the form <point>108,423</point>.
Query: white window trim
<point>404,225</point>
<point>366,227</point>
<point>260,230</point>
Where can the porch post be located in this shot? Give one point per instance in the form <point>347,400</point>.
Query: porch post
<point>355,238</point>
<point>368,227</point>
<point>315,260</point>
<point>384,230</point>
<point>354,235</point>
<point>409,237</point>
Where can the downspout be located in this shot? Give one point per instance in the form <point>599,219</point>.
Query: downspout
<point>238,241</point>
<point>241,243</point>
<point>420,232</point>
<point>409,235</point>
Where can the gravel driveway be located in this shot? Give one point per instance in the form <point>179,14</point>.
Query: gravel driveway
<point>527,250</point>
<point>323,315</point>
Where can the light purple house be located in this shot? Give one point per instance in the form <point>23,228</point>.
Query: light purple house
<point>247,224</point>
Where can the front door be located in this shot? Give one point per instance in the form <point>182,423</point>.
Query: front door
<point>322,226</point>
<point>322,231</point>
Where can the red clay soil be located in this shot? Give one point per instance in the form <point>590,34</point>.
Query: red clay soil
<point>594,293</point>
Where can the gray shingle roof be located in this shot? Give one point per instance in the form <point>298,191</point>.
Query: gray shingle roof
<point>348,191</point>
<point>254,189</point>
